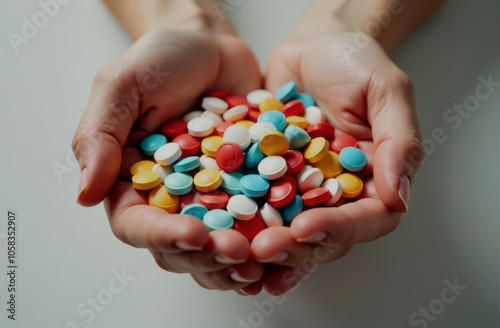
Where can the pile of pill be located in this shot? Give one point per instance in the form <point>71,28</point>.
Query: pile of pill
<point>248,163</point>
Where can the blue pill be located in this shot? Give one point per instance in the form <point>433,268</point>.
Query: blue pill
<point>179,183</point>
<point>292,209</point>
<point>307,100</point>
<point>231,182</point>
<point>253,185</point>
<point>297,137</point>
<point>150,144</point>
<point>286,92</point>
<point>187,164</point>
<point>253,156</point>
<point>218,219</point>
<point>196,210</point>
<point>352,159</point>
<point>276,118</point>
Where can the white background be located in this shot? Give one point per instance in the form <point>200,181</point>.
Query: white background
<point>67,253</point>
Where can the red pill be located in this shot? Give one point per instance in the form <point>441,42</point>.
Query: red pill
<point>253,115</point>
<point>190,146</point>
<point>235,100</point>
<point>229,156</point>
<point>294,161</point>
<point>293,108</point>
<point>341,141</point>
<point>250,228</point>
<point>282,191</point>
<point>325,130</point>
<point>174,128</point>
<point>213,200</point>
<point>316,196</point>
<point>217,94</point>
<point>192,198</point>
<point>221,127</point>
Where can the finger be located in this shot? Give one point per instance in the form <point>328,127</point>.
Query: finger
<point>252,289</point>
<point>283,66</point>
<point>278,280</point>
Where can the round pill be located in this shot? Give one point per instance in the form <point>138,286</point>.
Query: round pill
<point>174,128</point>
<point>229,156</point>
<point>168,153</point>
<point>329,165</point>
<point>255,97</point>
<point>316,196</point>
<point>191,115</point>
<point>141,166</point>
<point>271,216</point>
<point>220,128</point>
<point>308,178</point>
<point>253,185</point>
<point>253,115</point>
<point>299,121</point>
<point>187,164</point>
<point>292,209</point>
<point>163,171</point>
<point>235,113</point>
<point>207,180</point>
<point>231,182</point>
<point>152,143</point>
<point>250,228</point>
<point>190,146</point>
<point>159,197</point>
<point>200,127</point>
<point>314,115</point>
<point>216,93</point>
<point>210,145</point>
<point>270,104</point>
<point>218,219</point>
<point>208,163</point>
<point>297,137</point>
<point>294,161</point>
<point>216,199</point>
<point>325,130</point>
<point>352,159</point>
<point>242,207</point>
<point>341,141</point>
<point>247,124</point>
<point>215,118</point>
<point>276,118</point>
<point>352,185</point>
<point>190,198</point>
<point>145,180</point>
<point>306,99</point>
<point>237,134</point>
<point>179,183</point>
<point>272,167</point>
<point>274,143</point>
<point>214,104</point>
<point>335,188</point>
<point>196,210</point>
<point>281,192</point>
<point>316,149</point>
<point>253,156</point>
<point>293,108</point>
<point>259,129</point>
<point>287,91</point>
<point>235,100</point>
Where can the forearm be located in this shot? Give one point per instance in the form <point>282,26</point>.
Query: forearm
<point>388,21</point>
<point>141,16</point>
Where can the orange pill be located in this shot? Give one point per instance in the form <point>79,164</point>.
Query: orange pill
<point>352,185</point>
<point>160,197</point>
<point>146,180</point>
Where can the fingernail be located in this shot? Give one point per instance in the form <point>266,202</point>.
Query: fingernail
<point>314,238</point>
<point>236,277</point>
<point>404,190</point>
<point>241,290</point>
<point>280,257</point>
<point>82,184</point>
<point>223,259</point>
<point>187,247</point>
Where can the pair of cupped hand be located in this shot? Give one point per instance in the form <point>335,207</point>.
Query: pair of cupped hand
<point>159,79</point>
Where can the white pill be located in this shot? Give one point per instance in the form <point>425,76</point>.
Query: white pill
<point>167,154</point>
<point>200,127</point>
<point>189,116</point>
<point>215,105</point>
<point>308,178</point>
<point>314,115</point>
<point>335,188</point>
<point>242,207</point>
<point>239,134</point>
<point>163,171</point>
<point>272,167</point>
<point>207,162</point>
<point>235,113</point>
<point>215,118</point>
<point>257,96</point>
<point>271,216</point>
<point>258,129</point>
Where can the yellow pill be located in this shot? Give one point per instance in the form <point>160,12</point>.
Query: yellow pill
<point>208,180</point>
<point>352,185</point>
<point>146,180</point>
<point>209,145</point>
<point>159,197</point>
<point>246,123</point>
<point>274,143</point>
<point>299,121</point>
<point>329,165</point>
<point>316,149</point>
<point>270,104</point>
<point>141,166</point>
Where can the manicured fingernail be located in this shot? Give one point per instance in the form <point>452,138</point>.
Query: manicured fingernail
<point>404,190</point>
<point>280,257</point>
<point>236,276</point>
<point>223,259</point>
<point>241,290</point>
<point>82,184</point>
<point>314,238</point>
<point>187,247</point>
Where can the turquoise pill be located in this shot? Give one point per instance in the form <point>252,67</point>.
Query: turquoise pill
<point>218,219</point>
<point>231,182</point>
<point>179,183</point>
<point>187,164</point>
<point>253,185</point>
<point>276,118</point>
<point>286,92</point>
<point>253,156</point>
<point>150,144</point>
<point>352,159</point>
<point>297,137</point>
<point>292,209</point>
<point>307,100</point>
<point>196,210</point>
